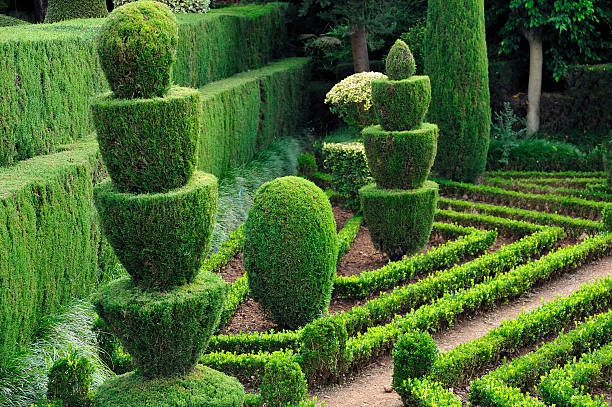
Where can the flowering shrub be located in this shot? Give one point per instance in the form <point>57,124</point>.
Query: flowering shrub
<point>351,99</point>
<point>178,6</point>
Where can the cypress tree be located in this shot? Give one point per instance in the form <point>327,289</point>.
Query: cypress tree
<point>456,62</point>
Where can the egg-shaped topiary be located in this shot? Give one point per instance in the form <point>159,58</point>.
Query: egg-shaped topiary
<point>137,47</point>
<point>400,62</point>
<point>290,250</point>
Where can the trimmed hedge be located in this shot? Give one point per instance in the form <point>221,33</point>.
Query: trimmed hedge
<point>400,63</point>
<point>8,21</point>
<point>178,6</point>
<point>348,165</point>
<point>399,221</point>
<point>291,250</point>
<point>203,387</point>
<point>49,72</point>
<point>161,239</point>
<point>413,356</point>
<point>59,10</point>
<point>402,104</point>
<point>456,61</point>
<point>149,145</point>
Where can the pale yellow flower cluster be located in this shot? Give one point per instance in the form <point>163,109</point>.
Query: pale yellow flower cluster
<point>356,88</point>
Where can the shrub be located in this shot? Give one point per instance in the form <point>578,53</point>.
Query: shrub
<point>400,221</point>
<point>401,105</point>
<point>307,165</point>
<point>137,46</point>
<point>456,61</point>
<point>290,250</point>
<point>348,165</point>
<point>283,384</point>
<point>606,218</point>
<point>70,379</point>
<point>111,351</point>
<point>164,332</point>
<point>415,39</point>
<point>413,356</point>
<point>351,99</point>
<point>401,159</point>
<point>178,6</point>
<point>161,239</point>
<point>59,10</point>
<point>607,156</point>
<point>400,62</point>
<point>8,21</point>
<point>323,349</point>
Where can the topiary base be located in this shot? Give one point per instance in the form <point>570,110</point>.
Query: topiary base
<point>161,239</point>
<point>399,221</point>
<point>204,387</point>
<point>165,332</point>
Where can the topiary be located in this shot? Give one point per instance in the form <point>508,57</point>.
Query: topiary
<point>137,46</point>
<point>70,379</point>
<point>401,105</point>
<point>290,250</point>
<point>283,384</point>
<point>413,356</point>
<point>400,62</point>
<point>323,349</point>
<point>456,61</point>
<point>59,10</point>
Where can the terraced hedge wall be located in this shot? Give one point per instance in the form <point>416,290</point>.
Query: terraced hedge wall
<point>48,72</point>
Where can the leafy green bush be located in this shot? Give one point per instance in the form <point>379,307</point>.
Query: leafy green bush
<point>59,10</point>
<point>149,145</point>
<point>399,221</point>
<point>348,165</point>
<point>323,349</point>
<point>178,6</point>
<point>415,39</point>
<point>290,250</point>
<point>8,21</point>
<point>401,159</point>
<point>606,218</point>
<point>161,239</point>
<point>283,384</point>
<point>400,64</point>
<point>70,379</point>
<point>456,61</point>
<point>401,105</point>
<point>111,350</point>
<point>413,356</point>
<point>137,46</point>
<point>307,165</point>
<point>607,154</point>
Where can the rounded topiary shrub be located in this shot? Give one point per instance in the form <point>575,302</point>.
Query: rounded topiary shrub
<point>401,159</point>
<point>161,239</point>
<point>399,221</point>
<point>203,387</point>
<point>413,356</point>
<point>164,332</point>
<point>290,250</point>
<point>401,105</point>
<point>283,384</point>
<point>59,10</point>
<point>137,46</point>
<point>70,379</point>
<point>400,62</point>
<point>149,145</point>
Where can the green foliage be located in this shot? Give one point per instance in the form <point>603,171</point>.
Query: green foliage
<point>111,350</point>
<point>413,356</point>
<point>399,221</point>
<point>203,387</point>
<point>608,160</point>
<point>423,392</point>
<point>137,46</point>
<point>290,250</point>
<point>606,218</point>
<point>149,145</point>
<point>503,129</point>
<point>347,235</point>
<point>8,21</point>
<point>415,39</point>
<point>401,105</point>
<point>400,63</point>
<point>323,350</point>
<point>401,159</point>
<point>307,165</point>
<point>348,165</point>
<point>178,6</point>
<point>456,61</point>
<point>161,239</point>
<point>283,384</point>
<point>59,10</point>
<point>70,379</point>
<point>164,332</point>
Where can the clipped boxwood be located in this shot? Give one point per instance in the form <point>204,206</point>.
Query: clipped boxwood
<point>290,250</point>
<point>8,21</point>
<point>149,145</point>
<point>178,6</point>
<point>401,159</point>
<point>70,378</point>
<point>137,46</point>
<point>606,218</point>
<point>323,349</point>
<point>164,332</point>
<point>400,63</point>
<point>402,104</point>
<point>413,356</point>
<point>161,239</point>
<point>59,10</point>
<point>283,384</point>
<point>400,221</point>
<point>204,387</point>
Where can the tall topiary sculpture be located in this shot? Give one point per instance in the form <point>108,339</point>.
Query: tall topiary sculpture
<point>158,214</point>
<point>456,62</point>
<point>399,207</point>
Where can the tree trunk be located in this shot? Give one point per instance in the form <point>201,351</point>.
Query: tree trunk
<point>359,46</point>
<point>534,94</point>
<point>40,10</point>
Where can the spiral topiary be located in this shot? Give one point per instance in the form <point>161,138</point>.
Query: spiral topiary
<point>400,62</point>
<point>290,250</point>
<point>137,47</point>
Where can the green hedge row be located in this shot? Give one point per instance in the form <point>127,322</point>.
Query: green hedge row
<point>546,175</point>
<point>530,186</point>
<point>504,386</point>
<point>348,234</point>
<point>49,72</point>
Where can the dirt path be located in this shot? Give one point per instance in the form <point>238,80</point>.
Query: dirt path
<point>372,387</point>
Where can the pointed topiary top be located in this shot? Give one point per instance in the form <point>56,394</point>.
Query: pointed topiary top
<point>400,62</point>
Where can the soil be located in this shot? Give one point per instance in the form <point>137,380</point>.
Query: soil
<point>342,215</point>
<point>605,392</point>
